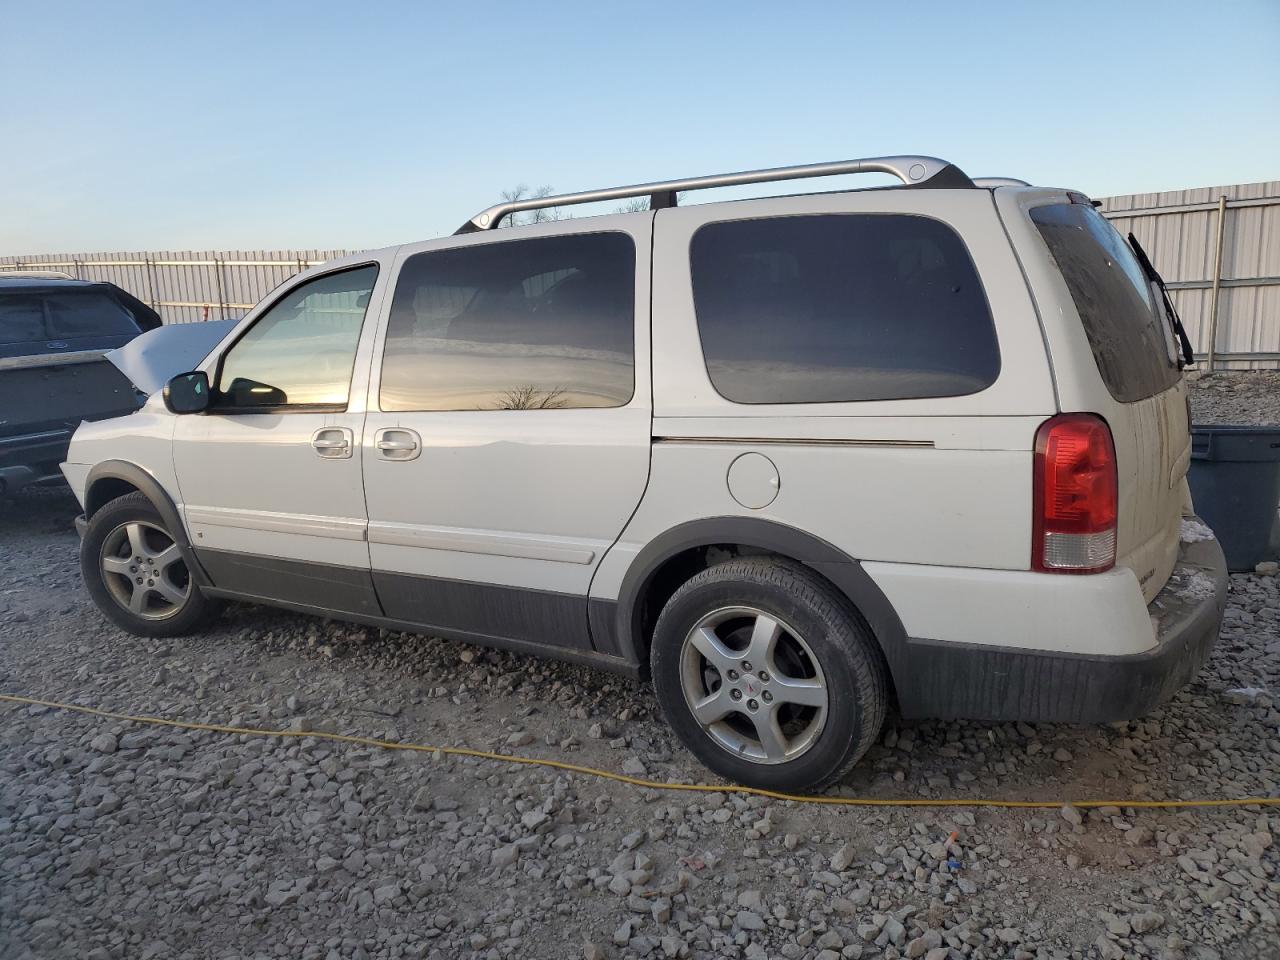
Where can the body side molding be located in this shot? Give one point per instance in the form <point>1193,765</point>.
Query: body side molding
<point>578,655</point>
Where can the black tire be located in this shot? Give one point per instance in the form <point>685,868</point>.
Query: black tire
<point>850,662</point>
<point>174,619</point>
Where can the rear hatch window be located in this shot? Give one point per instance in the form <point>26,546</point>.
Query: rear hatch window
<point>1126,327</point>
<point>39,316</point>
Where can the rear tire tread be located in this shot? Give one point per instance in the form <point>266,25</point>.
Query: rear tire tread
<point>846,631</point>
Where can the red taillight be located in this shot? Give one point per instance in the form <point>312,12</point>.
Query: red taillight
<point>1074,496</point>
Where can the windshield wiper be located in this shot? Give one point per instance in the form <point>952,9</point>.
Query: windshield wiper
<point>1188,357</point>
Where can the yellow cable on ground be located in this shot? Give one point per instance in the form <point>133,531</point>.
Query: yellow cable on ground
<point>636,781</point>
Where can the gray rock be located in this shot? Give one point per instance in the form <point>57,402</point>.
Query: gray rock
<point>1146,922</point>
<point>505,856</point>
<point>622,936</point>
<point>843,858</point>
<point>104,743</point>
<point>634,767</point>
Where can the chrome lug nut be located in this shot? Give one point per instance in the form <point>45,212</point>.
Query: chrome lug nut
<point>735,694</point>
<point>752,705</point>
<point>733,676</point>
<point>746,666</point>
<point>767,697</point>
<point>764,677</point>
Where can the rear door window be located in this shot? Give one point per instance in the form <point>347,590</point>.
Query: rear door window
<point>1127,331</point>
<point>21,319</point>
<point>63,315</point>
<point>840,307</point>
<point>88,314</point>
<point>540,324</point>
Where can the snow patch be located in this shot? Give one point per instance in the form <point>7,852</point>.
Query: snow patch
<point>1193,587</point>
<point>1193,531</point>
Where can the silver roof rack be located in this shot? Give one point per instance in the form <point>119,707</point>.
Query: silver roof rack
<point>912,171</point>
<point>999,182</point>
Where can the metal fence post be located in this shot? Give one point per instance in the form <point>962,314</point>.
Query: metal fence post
<point>1217,282</point>
<point>151,284</point>
<point>222,300</point>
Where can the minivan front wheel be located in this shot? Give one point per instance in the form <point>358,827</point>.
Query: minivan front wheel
<point>136,573</point>
<point>768,675</point>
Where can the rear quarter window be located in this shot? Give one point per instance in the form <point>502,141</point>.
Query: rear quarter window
<point>1113,298</point>
<point>840,307</point>
<point>62,315</point>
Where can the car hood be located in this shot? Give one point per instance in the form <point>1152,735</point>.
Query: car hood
<point>152,359</point>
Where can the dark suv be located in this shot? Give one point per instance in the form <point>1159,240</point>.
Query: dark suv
<point>53,334</point>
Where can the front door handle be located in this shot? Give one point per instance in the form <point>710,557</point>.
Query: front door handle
<point>333,443</point>
<point>397,443</point>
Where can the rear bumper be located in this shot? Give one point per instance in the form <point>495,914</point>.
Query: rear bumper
<point>31,458</point>
<point>982,682</point>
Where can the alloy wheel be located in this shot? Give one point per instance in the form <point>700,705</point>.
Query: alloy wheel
<point>753,684</point>
<point>144,571</point>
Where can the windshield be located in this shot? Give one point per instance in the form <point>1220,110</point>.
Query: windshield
<point>1113,296</point>
<point>62,315</point>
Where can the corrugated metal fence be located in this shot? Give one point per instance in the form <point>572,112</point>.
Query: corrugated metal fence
<point>1215,245</point>
<point>185,286</point>
<point>1212,245</point>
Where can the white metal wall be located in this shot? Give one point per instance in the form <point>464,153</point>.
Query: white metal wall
<point>185,286</point>
<point>1180,230</point>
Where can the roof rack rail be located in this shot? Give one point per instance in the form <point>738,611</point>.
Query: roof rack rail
<point>999,182</point>
<point>912,171</point>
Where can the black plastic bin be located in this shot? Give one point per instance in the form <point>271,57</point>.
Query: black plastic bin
<point>1235,483</point>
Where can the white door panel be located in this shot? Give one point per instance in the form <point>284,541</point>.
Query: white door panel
<point>493,521</point>
<point>527,498</point>
<point>253,483</point>
<point>284,483</point>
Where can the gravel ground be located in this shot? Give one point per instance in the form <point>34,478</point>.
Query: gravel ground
<point>1245,397</point>
<point>120,841</point>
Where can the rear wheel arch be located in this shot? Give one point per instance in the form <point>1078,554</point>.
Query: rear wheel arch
<point>671,558</point>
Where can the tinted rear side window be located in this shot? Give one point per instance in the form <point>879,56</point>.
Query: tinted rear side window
<point>840,307</point>
<point>62,315</point>
<point>21,319</point>
<point>538,324</point>
<point>1113,298</point>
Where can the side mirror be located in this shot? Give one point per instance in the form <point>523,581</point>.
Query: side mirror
<point>187,393</point>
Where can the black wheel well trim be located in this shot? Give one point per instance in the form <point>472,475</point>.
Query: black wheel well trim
<point>151,488</point>
<point>841,570</point>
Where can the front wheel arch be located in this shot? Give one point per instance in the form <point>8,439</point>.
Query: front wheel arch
<point>112,479</point>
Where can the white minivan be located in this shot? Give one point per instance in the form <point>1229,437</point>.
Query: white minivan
<point>801,460</point>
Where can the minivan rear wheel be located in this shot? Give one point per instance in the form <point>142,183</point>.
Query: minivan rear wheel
<point>768,675</point>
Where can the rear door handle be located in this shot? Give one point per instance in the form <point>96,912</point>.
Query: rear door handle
<point>397,443</point>
<point>333,443</point>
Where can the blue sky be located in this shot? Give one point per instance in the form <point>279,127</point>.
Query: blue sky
<point>259,125</point>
